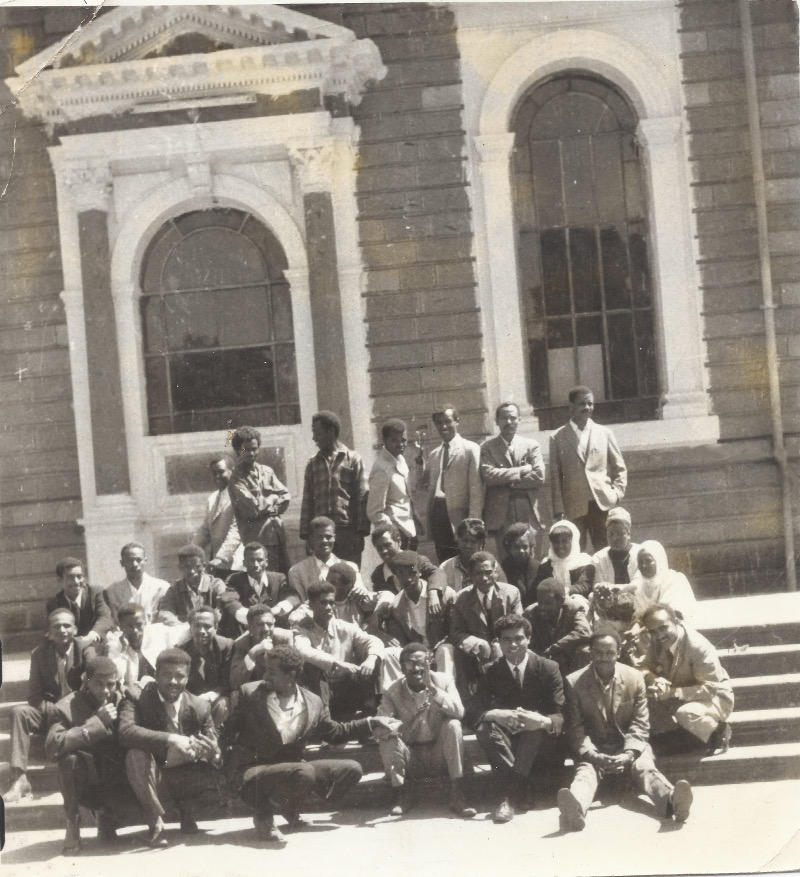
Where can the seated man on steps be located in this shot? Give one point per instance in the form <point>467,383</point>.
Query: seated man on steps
<point>607,730</point>
<point>351,604</point>
<point>83,739</point>
<point>193,590</point>
<point>250,648</point>
<point>92,616</point>
<point>560,628</point>
<point>689,692</point>
<point>210,663</point>
<point>124,647</point>
<point>172,747</point>
<point>427,739</point>
<point>56,668</point>
<point>265,736</point>
<point>517,714</point>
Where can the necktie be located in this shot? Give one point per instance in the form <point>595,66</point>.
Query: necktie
<point>487,608</point>
<point>75,609</point>
<point>445,457</point>
<point>172,717</point>
<point>62,675</point>
<point>518,677</point>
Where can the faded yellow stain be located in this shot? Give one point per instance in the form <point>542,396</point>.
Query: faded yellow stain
<point>21,45</point>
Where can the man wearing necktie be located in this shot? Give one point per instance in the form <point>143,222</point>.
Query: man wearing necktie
<point>451,481</point>
<point>92,616</point>
<point>512,469</point>
<point>389,500</point>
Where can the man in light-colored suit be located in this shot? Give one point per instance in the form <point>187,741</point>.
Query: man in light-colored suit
<point>219,533</point>
<point>389,500</point>
<point>512,470</point>
<point>452,483</point>
<point>587,473</point>
<point>137,587</point>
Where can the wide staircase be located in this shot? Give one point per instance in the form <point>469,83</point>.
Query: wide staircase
<point>759,643</point>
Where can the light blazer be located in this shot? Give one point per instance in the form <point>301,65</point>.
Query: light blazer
<point>468,618</point>
<point>573,482</point>
<point>461,482</point>
<point>219,532</point>
<point>304,573</point>
<point>389,498</point>
<point>589,729</point>
<point>501,475</point>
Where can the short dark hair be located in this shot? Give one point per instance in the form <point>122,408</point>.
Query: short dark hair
<point>220,458</point>
<point>471,527</point>
<point>576,392</point>
<point>481,557</point>
<point>68,563</point>
<point>204,610</point>
<point>514,532</point>
<point>658,607</point>
<point>187,551</point>
<point>55,612</point>
<point>320,523</point>
<point>393,426</point>
<point>173,657</point>
<point>554,587</point>
<point>258,610</point>
<point>128,611</point>
<point>405,560</point>
<point>503,405</point>
<point>129,546</point>
<point>412,649</point>
<point>254,546</point>
<point>512,622</point>
<point>329,420</point>
<point>343,571</point>
<point>289,658</point>
<point>385,527</point>
<point>443,410</point>
<point>99,664</point>
<point>244,434</point>
<point>604,630</point>
<point>319,589</point>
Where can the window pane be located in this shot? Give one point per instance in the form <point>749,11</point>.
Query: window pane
<point>634,193</point>
<point>214,257</point>
<point>622,356</point>
<point>290,414</point>
<point>217,218</point>
<point>585,270</point>
<point>640,273</point>
<point>220,379</point>
<point>589,330</point>
<point>608,177</point>
<point>268,245</point>
<point>559,333</point>
<point>157,254</point>
<point>546,169</point>
<point>286,370</point>
<point>155,370</point>
<point>646,343</point>
<point>555,274</point>
<point>581,203</point>
<point>283,326</point>
<point>615,269</point>
<point>153,325</point>
<point>530,277</point>
<point>227,318</point>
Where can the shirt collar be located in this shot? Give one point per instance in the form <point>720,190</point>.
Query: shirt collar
<point>604,685</point>
<point>577,429</point>
<point>325,564</point>
<point>522,665</point>
<point>177,703</point>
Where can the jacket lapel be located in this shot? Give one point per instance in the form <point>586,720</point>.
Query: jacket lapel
<point>572,440</point>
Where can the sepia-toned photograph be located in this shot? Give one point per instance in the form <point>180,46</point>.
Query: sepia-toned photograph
<point>400,438</point>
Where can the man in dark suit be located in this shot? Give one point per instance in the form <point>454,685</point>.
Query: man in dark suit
<point>512,469</point>
<point>560,628</point>
<point>257,585</point>
<point>266,734</point>
<point>249,650</point>
<point>194,589</point>
<point>517,712</point>
<point>607,730</point>
<point>172,746</point>
<point>56,667</point>
<point>83,740</point>
<point>86,603</point>
<point>475,612</point>
<point>587,473</point>
<point>210,669</point>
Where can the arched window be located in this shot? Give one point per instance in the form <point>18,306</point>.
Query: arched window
<point>217,325</point>
<point>581,216</point>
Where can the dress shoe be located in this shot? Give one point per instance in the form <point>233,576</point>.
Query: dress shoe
<point>189,826</point>
<point>295,821</point>
<point>72,839</point>
<point>19,789</point>
<point>106,828</point>
<point>155,836</point>
<point>720,739</point>
<point>681,801</point>
<point>571,816</point>
<point>504,812</point>
<point>402,800</point>
<point>458,804</point>
<point>267,831</point>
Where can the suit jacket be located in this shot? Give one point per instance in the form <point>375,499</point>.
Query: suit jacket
<point>216,673</point>
<point>461,482</point>
<point>219,532</point>
<point>389,498</point>
<point>398,702</point>
<point>150,593</point>
<point>43,684</point>
<point>95,615</point>
<point>343,641</point>
<point>590,729</point>
<point>76,727</point>
<point>240,672</point>
<point>240,594</point>
<point>180,600</point>
<point>602,477</point>
<point>304,573</point>
<point>542,690</point>
<point>581,578</point>
<point>433,575</point>
<point>501,476</point>
<point>251,737</point>
<point>143,720</point>
<point>468,618</point>
<point>568,638</point>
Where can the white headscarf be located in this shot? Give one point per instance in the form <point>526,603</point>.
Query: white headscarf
<point>576,558</point>
<point>666,586</point>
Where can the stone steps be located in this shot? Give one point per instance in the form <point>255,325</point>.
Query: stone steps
<point>767,692</point>
<point>761,660</point>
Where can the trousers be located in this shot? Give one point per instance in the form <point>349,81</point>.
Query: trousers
<point>697,717</point>
<point>282,788</point>
<point>442,530</point>
<point>80,785</point>
<point>511,755</point>
<point>445,754</point>
<point>593,524</point>
<point>27,720</point>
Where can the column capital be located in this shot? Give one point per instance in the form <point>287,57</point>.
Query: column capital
<point>89,185</point>
<point>663,131</point>
<point>314,165</point>
<point>494,148</point>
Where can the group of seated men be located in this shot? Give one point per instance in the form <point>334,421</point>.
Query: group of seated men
<point>193,693</point>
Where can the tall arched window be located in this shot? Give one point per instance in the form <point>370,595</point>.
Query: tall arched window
<point>217,325</point>
<point>581,216</point>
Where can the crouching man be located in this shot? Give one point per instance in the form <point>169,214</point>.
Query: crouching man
<point>265,736</point>
<point>173,751</point>
<point>427,739</point>
<point>607,729</point>
<point>83,740</point>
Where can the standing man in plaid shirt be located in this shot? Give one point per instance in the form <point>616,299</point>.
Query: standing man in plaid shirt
<point>335,486</point>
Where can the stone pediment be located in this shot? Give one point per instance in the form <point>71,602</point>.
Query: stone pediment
<point>151,58</point>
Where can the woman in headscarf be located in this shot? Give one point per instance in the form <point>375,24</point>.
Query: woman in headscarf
<point>655,582</point>
<point>519,564</point>
<point>617,564</point>
<point>566,562</point>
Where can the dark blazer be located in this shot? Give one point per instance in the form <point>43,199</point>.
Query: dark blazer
<point>43,685</point>
<point>95,614</point>
<point>253,739</point>
<point>216,675</point>
<point>467,617</point>
<point>396,620</point>
<point>239,674</point>
<point>542,691</point>
<point>143,720</point>
<point>581,578</point>
<point>436,579</point>
<point>180,600</point>
<point>567,641</point>
<point>75,720</point>
<point>522,578</point>
<point>240,594</point>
